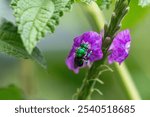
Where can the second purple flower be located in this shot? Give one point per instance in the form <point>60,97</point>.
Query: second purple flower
<point>120,47</point>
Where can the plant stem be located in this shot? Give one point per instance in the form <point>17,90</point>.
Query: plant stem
<point>127,81</point>
<point>89,82</point>
<point>93,74</point>
<point>26,78</point>
<point>94,15</point>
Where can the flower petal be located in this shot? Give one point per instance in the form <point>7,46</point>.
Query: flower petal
<point>120,47</point>
<point>70,64</point>
<point>92,37</point>
<point>94,52</point>
<point>97,54</point>
<point>95,41</point>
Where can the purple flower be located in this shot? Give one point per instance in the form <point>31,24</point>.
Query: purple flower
<point>86,49</point>
<point>120,47</point>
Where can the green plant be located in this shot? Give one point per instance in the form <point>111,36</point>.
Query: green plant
<point>36,18</point>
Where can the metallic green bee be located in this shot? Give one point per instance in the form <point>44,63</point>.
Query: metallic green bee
<point>81,55</point>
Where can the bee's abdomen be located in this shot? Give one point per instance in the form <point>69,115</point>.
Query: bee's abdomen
<point>78,62</point>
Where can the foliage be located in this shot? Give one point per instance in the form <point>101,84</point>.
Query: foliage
<point>37,17</point>
<point>11,93</point>
<point>104,3</point>
<point>11,44</point>
<point>101,3</point>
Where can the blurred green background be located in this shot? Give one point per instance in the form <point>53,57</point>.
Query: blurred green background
<point>24,79</point>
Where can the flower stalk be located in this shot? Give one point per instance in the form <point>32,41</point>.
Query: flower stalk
<point>127,81</point>
<point>110,30</point>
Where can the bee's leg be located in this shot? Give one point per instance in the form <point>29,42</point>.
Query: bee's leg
<point>89,54</point>
<point>85,59</point>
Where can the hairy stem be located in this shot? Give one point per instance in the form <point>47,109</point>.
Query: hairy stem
<point>95,17</point>
<point>89,82</point>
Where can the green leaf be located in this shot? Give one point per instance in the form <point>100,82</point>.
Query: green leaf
<point>11,93</point>
<point>101,3</point>
<point>104,3</point>
<point>37,17</point>
<point>144,3</point>
<point>11,44</point>
<point>85,1</point>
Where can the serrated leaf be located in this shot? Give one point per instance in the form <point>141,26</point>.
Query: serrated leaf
<point>11,44</point>
<point>37,17</point>
<point>101,3</point>
<point>144,3</point>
